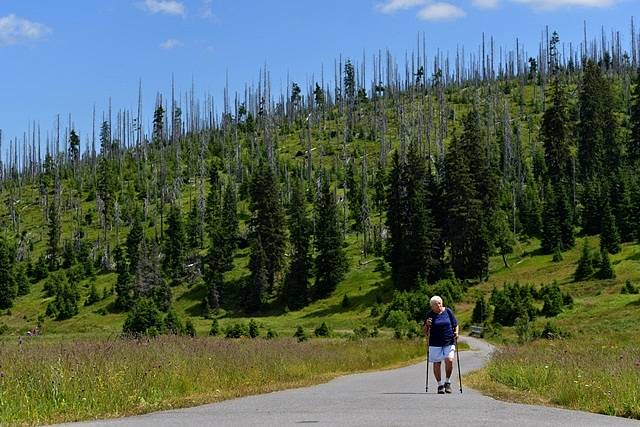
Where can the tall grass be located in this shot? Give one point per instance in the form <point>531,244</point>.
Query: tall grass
<point>600,374</point>
<point>44,382</point>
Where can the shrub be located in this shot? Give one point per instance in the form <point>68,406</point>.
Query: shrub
<point>237,330</point>
<point>551,331</point>
<point>271,334</point>
<point>93,296</point>
<point>629,288</point>
<point>143,317</point>
<point>524,329</point>
<point>322,330</point>
<point>585,264</point>
<point>480,311</point>
<point>215,328</point>
<point>189,328</point>
<point>300,334</point>
<point>361,332</point>
<point>512,302</point>
<point>3,328</point>
<point>254,332</point>
<point>173,323</point>
<point>346,302</point>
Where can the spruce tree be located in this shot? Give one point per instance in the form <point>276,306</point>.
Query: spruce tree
<point>609,237</point>
<point>551,235</point>
<point>229,224</point>
<point>396,221</point>
<point>21,279</point>
<point>633,149</point>
<point>174,244</point>
<point>331,262</point>
<point>605,271</point>
<point>123,286</point>
<point>258,284</point>
<point>466,228</point>
<point>54,232</point>
<point>134,239</point>
<point>148,280</point>
<point>585,264</point>
<point>592,121</point>
<point>268,221</point>
<point>420,233</point>
<point>295,291</point>
<point>554,134</point>
<point>8,289</point>
<point>564,217</point>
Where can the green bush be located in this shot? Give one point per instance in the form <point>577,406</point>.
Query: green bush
<point>215,328</point>
<point>300,334</point>
<point>322,330</point>
<point>237,330</point>
<point>189,328</point>
<point>144,318</point>
<point>254,332</point>
<point>629,288</point>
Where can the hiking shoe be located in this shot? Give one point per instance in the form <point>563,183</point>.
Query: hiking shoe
<point>441,389</point>
<point>447,387</point>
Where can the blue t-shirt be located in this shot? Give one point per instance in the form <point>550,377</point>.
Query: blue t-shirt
<point>442,326</point>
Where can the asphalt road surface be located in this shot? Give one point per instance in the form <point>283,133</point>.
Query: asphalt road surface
<point>387,398</point>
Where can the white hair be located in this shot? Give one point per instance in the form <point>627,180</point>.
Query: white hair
<point>435,298</point>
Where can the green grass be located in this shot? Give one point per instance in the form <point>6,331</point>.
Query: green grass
<point>46,382</point>
<point>597,368</point>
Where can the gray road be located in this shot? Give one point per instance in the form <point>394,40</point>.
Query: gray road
<point>388,398</point>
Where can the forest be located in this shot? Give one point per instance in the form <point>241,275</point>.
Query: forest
<point>426,168</point>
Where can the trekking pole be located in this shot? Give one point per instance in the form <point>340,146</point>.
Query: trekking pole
<point>426,385</point>
<point>458,356</point>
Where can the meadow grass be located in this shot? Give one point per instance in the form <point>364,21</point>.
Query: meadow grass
<point>600,374</point>
<point>48,382</point>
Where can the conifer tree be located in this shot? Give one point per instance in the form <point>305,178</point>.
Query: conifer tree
<point>420,233</point>
<point>331,262</point>
<point>295,291</point>
<point>592,198</point>
<point>258,284</point>
<point>605,271</point>
<point>174,244</point>
<point>470,194</point>
<point>134,239</point>
<point>554,133</point>
<point>585,264</point>
<point>74,147</point>
<point>633,149</point>
<point>397,220</point>
<point>229,224</point>
<point>268,221</point>
<point>609,237</point>
<point>53,243</point>
<point>123,287</point>
<point>21,279</point>
<point>551,236</point>
<point>149,282</point>
<point>530,210</point>
<point>8,289</point>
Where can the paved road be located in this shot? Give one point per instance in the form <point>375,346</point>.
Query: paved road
<point>387,398</point>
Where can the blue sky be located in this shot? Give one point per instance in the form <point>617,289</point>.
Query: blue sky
<point>64,56</point>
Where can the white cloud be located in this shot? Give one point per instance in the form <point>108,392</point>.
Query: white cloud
<point>392,6</point>
<point>170,44</point>
<point>441,12</point>
<point>15,30</point>
<point>485,4</point>
<point>170,7</point>
<point>556,4</point>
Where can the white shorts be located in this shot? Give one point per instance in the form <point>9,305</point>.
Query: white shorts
<point>438,354</point>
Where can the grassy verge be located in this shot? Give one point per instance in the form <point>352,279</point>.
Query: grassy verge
<point>48,382</point>
<point>597,369</point>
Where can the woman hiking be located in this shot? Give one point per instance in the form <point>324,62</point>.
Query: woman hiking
<point>441,328</point>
